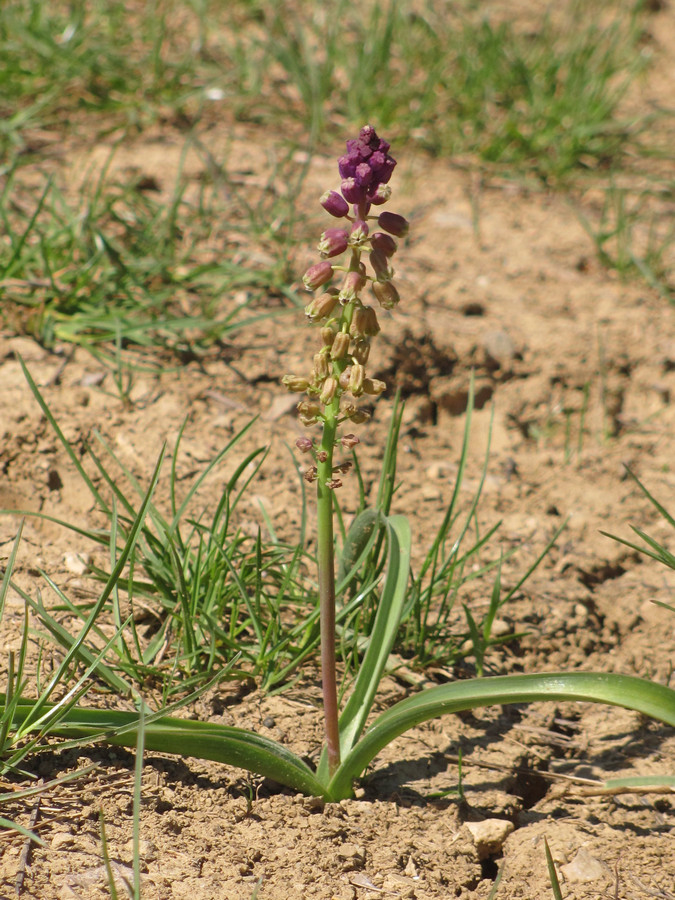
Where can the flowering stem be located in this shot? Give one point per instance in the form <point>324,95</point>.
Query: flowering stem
<point>326,561</point>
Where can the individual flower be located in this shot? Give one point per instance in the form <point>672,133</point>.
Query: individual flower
<point>295,383</point>
<point>334,204</point>
<point>318,275</point>
<point>380,264</point>
<point>334,241</point>
<point>386,294</point>
<point>322,306</point>
<point>393,223</point>
<point>352,286</point>
<point>383,242</point>
<point>359,233</point>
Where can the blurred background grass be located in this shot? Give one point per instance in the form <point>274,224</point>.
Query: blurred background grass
<point>527,91</point>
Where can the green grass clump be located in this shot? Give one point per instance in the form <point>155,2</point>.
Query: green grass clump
<point>543,98</point>
<point>120,263</point>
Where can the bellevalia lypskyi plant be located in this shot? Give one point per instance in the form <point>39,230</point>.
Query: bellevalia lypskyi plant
<point>337,380</point>
<point>338,376</point>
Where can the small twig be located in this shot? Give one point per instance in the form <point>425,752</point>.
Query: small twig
<point>27,847</point>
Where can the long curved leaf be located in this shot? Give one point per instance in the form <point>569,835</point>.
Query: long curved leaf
<point>185,737</point>
<point>646,697</point>
<point>387,620</point>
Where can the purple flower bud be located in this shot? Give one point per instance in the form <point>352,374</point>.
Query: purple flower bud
<point>384,243</point>
<point>363,175</point>
<point>318,274</point>
<point>380,195</point>
<point>366,165</point>
<point>352,285</point>
<point>333,242</point>
<point>351,191</point>
<point>359,233</point>
<point>393,223</point>
<point>304,444</point>
<point>334,204</point>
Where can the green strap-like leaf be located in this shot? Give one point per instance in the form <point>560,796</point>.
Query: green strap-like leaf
<point>646,697</point>
<point>185,737</point>
<point>387,621</point>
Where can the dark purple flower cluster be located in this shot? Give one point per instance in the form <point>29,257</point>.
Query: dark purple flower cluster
<point>365,168</point>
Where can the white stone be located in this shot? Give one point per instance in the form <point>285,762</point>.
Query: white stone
<point>585,868</point>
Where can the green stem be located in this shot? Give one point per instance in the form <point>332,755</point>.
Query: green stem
<point>326,561</point>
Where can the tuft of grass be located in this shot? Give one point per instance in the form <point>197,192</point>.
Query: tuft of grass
<point>633,234</point>
<point>198,593</point>
<point>544,100</point>
<point>122,266</point>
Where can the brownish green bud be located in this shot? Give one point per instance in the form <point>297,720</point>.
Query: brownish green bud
<point>393,223</point>
<point>333,483</point>
<point>351,287</point>
<point>309,412</point>
<point>343,467</point>
<point>310,474</point>
<point>318,274</point>
<point>356,379</point>
<point>327,336</point>
<point>322,306</point>
<point>373,386</point>
<point>295,383</point>
<point>344,378</point>
<point>329,388</point>
<point>340,346</point>
<point>361,351</point>
<point>321,365</point>
<point>364,322</point>
<point>322,456</point>
<point>386,294</point>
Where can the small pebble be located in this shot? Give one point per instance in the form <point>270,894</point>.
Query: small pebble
<point>489,835</point>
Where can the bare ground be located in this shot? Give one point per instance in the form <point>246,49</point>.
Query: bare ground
<point>497,279</point>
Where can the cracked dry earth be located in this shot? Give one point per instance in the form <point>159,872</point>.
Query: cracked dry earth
<point>576,372</point>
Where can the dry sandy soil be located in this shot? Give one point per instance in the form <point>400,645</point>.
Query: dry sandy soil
<point>496,279</point>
